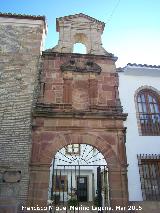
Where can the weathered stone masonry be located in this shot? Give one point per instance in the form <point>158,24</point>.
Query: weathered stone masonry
<point>91,117</point>
<point>20,46</point>
<point>78,103</point>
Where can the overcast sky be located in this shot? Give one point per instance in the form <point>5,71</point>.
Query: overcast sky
<point>132,30</point>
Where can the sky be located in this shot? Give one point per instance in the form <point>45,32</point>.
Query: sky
<point>132,31</point>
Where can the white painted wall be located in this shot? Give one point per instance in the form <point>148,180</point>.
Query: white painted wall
<point>83,173</point>
<point>130,80</point>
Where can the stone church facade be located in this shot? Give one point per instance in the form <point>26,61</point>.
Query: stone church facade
<point>52,99</point>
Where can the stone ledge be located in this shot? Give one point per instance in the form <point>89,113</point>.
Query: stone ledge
<point>50,110</point>
<point>51,53</point>
<point>83,67</point>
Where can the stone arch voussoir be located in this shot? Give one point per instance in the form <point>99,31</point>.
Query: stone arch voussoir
<point>104,143</point>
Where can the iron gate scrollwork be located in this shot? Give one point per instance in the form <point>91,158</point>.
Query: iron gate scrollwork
<point>75,186</point>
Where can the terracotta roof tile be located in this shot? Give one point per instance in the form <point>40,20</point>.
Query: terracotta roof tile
<point>22,16</point>
<point>143,65</point>
<point>121,69</point>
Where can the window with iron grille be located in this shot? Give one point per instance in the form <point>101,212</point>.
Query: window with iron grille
<point>149,169</point>
<point>149,112</point>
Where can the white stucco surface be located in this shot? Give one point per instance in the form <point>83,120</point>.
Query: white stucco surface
<point>130,80</point>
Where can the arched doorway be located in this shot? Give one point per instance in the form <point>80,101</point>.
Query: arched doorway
<point>47,143</point>
<point>79,177</point>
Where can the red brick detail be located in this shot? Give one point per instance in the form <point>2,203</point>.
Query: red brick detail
<point>93,88</point>
<point>81,91</point>
<point>114,74</point>
<point>51,65</point>
<point>110,81</point>
<point>48,136</point>
<point>67,91</point>
<point>110,153</point>
<point>109,139</point>
<point>105,87</point>
<point>36,138</point>
<point>57,63</point>
<point>81,84</point>
<point>67,138</point>
<point>45,65</point>
<point>39,122</point>
<point>48,86</point>
<point>35,152</point>
<point>111,103</point>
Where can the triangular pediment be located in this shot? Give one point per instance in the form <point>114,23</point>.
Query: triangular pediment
<point>82,17</point>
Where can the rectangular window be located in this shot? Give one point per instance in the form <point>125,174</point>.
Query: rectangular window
<point>149,169</point>
<point>60,183</point>
<point>73,149</point>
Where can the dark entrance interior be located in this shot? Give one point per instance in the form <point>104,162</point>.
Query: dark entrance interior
<point>82,189</point>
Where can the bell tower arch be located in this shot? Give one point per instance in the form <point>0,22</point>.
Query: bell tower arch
<point>80,28</point>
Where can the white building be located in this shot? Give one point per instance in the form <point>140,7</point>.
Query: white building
<point>139,89</point>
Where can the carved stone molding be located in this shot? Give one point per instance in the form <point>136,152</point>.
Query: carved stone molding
<point>81,66</point>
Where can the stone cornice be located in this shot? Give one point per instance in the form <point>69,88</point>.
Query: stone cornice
<point>83,67</point>
<point>50,111</point>
<point>51,54</point>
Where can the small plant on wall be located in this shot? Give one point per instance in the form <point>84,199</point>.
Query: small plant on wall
<point>95,201</point>
<point>72,202</point>
<point>56,199</point>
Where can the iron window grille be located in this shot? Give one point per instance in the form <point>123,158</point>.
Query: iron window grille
<point>149,169</point>
<point>148,112</point>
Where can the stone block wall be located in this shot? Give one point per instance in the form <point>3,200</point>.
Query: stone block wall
<point>83,89</point>
<point>20,47</point>
<point>78,103</point>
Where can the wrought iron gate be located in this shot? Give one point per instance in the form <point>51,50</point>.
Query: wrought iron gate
<point>76,185</point>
